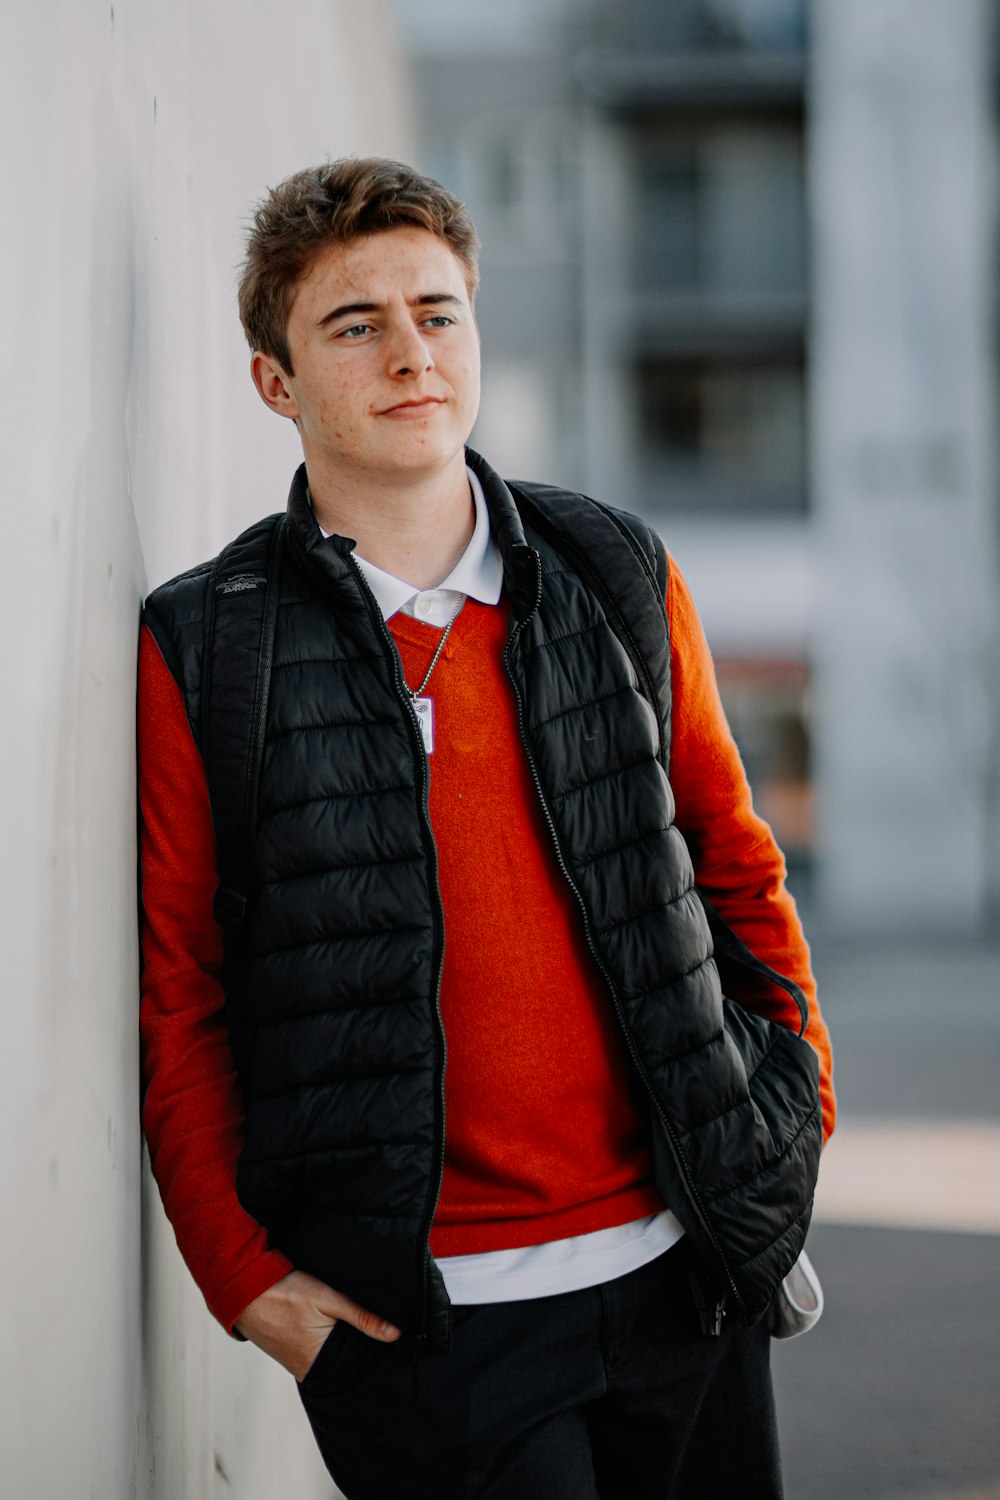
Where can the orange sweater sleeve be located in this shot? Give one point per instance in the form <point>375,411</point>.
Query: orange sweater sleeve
<point>193,1113</point>
<point>736,859</point>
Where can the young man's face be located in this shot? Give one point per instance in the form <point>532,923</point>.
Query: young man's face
<point>386,358</point>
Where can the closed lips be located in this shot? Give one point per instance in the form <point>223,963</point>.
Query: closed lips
<point>424,404</point>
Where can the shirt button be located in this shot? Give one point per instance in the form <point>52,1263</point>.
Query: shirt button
<point>424,606</point>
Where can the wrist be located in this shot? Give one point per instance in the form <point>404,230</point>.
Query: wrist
<point>230,1301</point>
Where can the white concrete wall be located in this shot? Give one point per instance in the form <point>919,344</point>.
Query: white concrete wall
<point>134,136</point>
<point>903,171</point>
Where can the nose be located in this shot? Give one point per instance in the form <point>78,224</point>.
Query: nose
<point>409,353</point>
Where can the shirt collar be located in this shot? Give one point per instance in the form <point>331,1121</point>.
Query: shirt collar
<point>478,574</point>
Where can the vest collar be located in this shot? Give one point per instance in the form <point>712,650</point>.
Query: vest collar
<point>522,567</point>
<point>330,555</point>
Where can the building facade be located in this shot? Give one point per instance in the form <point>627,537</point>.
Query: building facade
<point>739,276</point>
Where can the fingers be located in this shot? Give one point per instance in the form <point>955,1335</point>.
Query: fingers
<point>294,1316</point>
<point>340,1307</point>
<point>376,1328</point>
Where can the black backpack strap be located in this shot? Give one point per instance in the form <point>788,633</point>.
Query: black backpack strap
<point>650,549</point>
<point>240,605</point>
<point>626,565</point>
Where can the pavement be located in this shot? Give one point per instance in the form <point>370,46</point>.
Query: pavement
<point>895,1395</point>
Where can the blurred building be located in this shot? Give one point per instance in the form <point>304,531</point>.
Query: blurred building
<point>739,275</point>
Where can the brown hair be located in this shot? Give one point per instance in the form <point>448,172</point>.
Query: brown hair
<point>329,205</point>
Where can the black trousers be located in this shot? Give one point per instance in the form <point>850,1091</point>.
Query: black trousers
<point>610,1393</point>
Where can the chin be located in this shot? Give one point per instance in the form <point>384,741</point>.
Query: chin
<point>426,456</point>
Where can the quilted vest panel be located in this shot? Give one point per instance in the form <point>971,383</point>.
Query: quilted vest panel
<point>332,987</point>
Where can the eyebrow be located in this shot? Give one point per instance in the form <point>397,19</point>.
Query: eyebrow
<point>426,299</point>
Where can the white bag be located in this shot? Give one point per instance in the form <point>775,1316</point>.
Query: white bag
<point>797,1305</point>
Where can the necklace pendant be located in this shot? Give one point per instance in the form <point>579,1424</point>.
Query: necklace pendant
<point>424,710</point>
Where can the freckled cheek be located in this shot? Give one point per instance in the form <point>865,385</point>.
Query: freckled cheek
<point>334,412</point>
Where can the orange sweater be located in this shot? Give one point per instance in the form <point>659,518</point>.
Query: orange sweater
<point>542,1140</point>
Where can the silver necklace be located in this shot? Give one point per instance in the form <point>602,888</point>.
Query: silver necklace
<point>424,707</point>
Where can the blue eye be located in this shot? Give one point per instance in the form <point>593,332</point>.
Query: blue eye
<point>355,330</point>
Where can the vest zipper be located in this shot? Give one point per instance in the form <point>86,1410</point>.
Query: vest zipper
<point>441,1049</point>
<point>714,1325</point>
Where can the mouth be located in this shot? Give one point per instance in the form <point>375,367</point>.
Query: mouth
<point>419,407</point>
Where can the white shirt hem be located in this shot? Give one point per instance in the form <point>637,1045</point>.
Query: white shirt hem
<point>559,1265</point>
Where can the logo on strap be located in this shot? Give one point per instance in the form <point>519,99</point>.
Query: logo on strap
<point>241,583</point>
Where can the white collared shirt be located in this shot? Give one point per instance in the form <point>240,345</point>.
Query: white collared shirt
<point>478,574</point>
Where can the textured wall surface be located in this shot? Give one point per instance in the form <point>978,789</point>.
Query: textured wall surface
<point>134,139</point>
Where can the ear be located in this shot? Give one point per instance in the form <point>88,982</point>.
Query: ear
<point>273,385</point>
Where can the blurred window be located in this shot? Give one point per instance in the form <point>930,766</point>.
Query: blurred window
<point>720,210</point>
<point>468,27</point>
<point>721,436</point>
<point>715,343</point>
<point>752,25</point>
<point>518,171</point>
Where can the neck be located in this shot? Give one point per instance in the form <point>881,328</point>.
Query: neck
<point>417,531</point>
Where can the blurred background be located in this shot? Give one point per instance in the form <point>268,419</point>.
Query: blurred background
<point>740,274</point>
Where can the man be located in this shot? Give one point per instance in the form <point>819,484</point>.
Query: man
<point>448,1122</point>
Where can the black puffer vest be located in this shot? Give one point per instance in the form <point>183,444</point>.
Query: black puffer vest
<point>332,979</point>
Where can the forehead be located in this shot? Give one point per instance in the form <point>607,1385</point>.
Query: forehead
<point>405,262</point>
